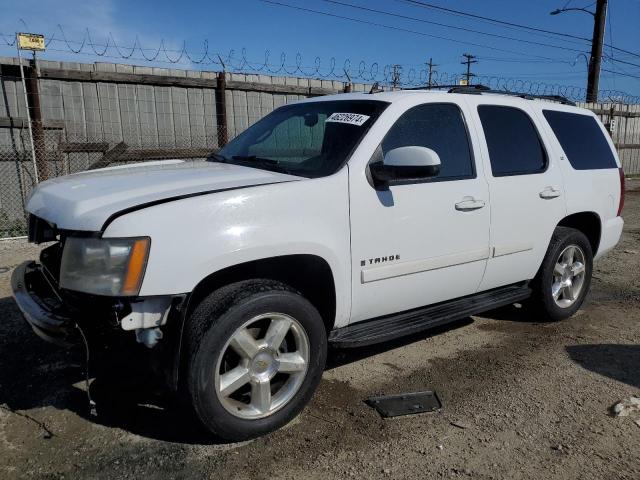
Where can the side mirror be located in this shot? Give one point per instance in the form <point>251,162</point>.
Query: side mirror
<point>404,165</point>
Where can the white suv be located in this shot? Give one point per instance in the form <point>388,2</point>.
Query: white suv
<point>342,220</point>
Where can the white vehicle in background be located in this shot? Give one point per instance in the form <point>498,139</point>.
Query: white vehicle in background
<point>342,220</point>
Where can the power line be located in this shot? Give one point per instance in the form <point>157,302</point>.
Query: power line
<point>623,61</point>
<point>400,29</point>
<point>492,20</point>
<point>611,57</point>
<point>504,22</point>
<point>445,25</point>
<point>517,60</point>
<point>621,73</point>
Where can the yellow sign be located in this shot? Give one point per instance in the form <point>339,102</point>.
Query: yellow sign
<point>31,41</point>
<point>463,82</point>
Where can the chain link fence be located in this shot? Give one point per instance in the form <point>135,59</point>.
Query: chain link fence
<point>65,149</point>
<point>78,126</point>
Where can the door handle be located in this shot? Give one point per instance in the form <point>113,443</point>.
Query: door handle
<point>469,203</point>
<point>550,192</point>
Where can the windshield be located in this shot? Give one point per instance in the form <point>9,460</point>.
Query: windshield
<point>307,139</point>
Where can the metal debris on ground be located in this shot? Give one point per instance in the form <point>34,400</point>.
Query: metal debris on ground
<point>460,424</point>
<point>627,406</point>
<point>405,403</point>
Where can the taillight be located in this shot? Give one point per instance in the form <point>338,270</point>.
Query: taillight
<point>622,191</point>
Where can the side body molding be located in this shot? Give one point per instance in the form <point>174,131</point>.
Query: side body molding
<point>406,268</point>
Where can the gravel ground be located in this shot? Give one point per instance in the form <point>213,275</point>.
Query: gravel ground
<point>521,399</point>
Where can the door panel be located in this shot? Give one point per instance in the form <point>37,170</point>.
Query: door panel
<point>527,202</point>
<point>422,243</point>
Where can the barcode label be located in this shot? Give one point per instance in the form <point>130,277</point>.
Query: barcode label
<point>349,118</point>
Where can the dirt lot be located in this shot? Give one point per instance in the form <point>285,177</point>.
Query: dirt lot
<point>521,399</point>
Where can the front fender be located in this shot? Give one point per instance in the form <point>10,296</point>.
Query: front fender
<point>194,237</point>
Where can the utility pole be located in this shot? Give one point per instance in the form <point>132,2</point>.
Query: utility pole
<point>593,79</point>
<point>469,60</point>
<point>599,18</point>
<point>431,72</point>
<point>395,79</point>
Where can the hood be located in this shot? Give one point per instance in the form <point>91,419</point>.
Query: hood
<point>85,201</point>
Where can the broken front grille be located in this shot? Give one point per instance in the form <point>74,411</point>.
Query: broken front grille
<point>40,230</point>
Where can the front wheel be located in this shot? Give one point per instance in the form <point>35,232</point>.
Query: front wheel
<point>257,350</point>
<point>564,278</point>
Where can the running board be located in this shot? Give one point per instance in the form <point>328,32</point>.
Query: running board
<point>398,325</point>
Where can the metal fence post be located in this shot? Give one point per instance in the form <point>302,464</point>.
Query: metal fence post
<point>26,105</point>
<point>221,100</point>
<point>36,119</point>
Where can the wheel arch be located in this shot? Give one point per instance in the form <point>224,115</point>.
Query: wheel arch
<point>311,275</point>
<point>588,223</point>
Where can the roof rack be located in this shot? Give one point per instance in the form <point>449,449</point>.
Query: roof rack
<point>433,87</point>
<point>480,89</point>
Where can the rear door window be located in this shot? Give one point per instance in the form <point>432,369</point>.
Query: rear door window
<point>514,145</point>
<point>582,140</point>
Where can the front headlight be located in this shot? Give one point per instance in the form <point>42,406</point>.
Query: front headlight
<point>104,266</point>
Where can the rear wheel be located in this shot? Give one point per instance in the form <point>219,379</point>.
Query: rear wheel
<point>257,350</point>
<point>565,275</point>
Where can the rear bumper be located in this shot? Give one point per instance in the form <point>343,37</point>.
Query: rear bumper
<point>611,233</point>
<point>46,316</point>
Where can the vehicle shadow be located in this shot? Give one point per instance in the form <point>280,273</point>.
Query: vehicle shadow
<point>514,313</point>
<point>145,408</point>
<point>344,356</point>
<point>511,313</point>
<point>616,361</point>
<point>35,374</point>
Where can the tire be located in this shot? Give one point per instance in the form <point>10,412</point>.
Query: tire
<point>570,297</point>
<point>217,343</point>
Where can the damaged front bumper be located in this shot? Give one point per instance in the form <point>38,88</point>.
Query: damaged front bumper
<point>110,325</point>
<point>40,305</point>
<point>54,314</point>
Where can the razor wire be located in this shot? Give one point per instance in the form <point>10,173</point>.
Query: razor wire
<point>294,65</point>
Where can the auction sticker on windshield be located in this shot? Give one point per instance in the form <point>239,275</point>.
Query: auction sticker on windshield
<point>349,118</point>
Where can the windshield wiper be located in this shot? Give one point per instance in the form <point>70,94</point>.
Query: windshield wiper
<point>253,158</point>
<point>266,163</point>
<point>216,157</point>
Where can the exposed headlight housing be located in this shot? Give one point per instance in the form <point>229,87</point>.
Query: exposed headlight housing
<point>104,266</point>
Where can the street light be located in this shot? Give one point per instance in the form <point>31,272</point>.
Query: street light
<point>561,10</point>
<point>599,17</point>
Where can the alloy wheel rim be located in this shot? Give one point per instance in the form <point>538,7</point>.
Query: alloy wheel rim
<point>568,276</point>
<point>262,366</point>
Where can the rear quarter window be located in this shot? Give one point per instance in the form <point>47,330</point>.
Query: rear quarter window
<point>582,140</point>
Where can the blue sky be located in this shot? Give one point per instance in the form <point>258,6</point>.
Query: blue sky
<point>255,27</point>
